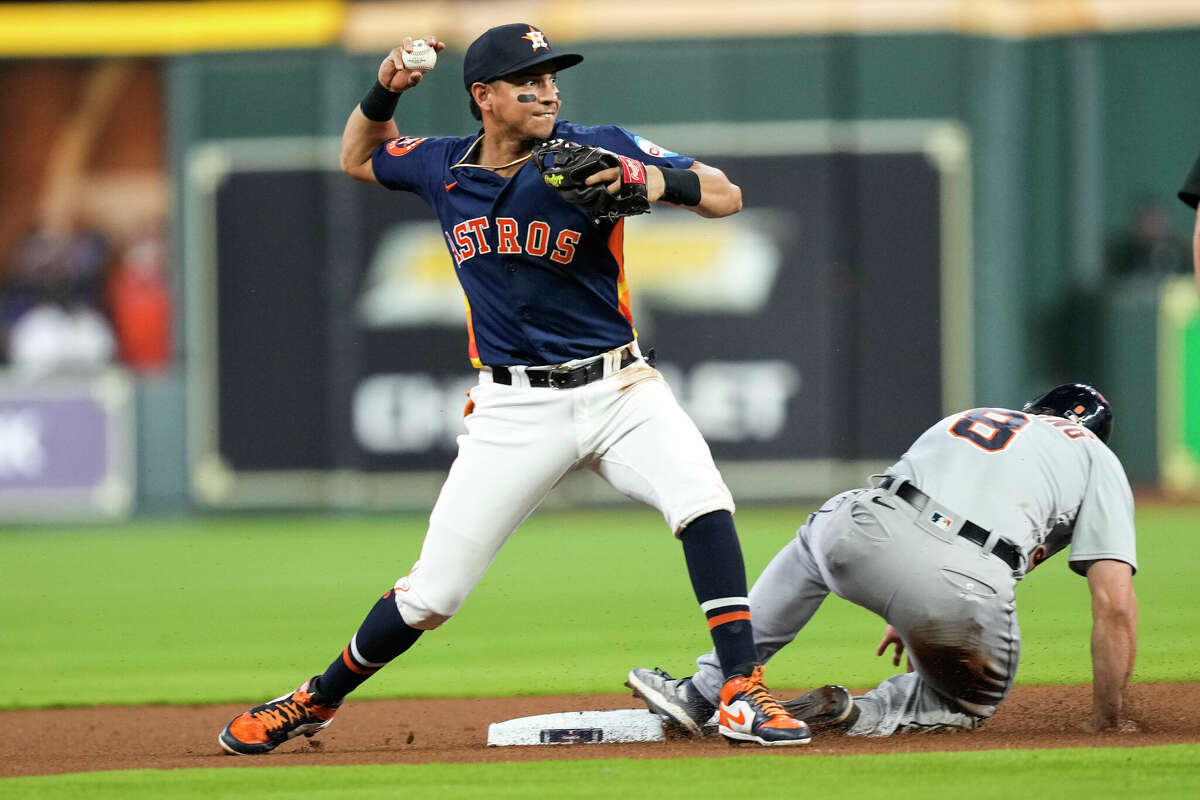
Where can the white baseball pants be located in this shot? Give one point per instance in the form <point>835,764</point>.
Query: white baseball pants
<point>519,444</point>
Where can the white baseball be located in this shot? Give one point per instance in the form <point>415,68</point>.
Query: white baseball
<point>422,57</point>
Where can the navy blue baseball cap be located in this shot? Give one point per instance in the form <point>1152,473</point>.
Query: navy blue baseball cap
<point>511,48</point>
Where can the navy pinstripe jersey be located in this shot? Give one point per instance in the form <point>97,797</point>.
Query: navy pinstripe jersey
<point>544,283</point>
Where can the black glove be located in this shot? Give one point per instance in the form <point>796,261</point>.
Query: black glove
<point>566,165</point>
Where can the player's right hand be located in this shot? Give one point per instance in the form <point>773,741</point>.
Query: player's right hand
<point>891,637</point>
<point>392,72</point>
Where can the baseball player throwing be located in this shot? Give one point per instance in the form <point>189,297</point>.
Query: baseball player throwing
<point>532,208</point>
<point>935,547</point>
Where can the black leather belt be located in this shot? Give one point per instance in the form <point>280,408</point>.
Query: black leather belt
<point>1005,550</point>
<point>564,377</point>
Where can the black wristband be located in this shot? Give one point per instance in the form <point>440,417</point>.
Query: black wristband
<point>380,103</point>
<point>682,186</point>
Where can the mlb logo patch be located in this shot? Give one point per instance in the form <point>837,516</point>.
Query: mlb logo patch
<point>941,520</point>
<point>650,148</point>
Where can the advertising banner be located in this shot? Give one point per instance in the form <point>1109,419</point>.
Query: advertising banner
<point>66,447</point>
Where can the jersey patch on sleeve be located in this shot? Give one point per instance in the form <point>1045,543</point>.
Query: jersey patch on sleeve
<point>403,145</point>
<point>650,148</point>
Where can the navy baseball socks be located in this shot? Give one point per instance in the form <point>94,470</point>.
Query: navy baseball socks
<point>747,711</point>
<point>382,636</point>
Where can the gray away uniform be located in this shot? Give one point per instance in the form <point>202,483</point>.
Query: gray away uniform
<point>1036,481</point>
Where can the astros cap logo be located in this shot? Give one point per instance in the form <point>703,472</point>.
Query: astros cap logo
<point>536,38</point>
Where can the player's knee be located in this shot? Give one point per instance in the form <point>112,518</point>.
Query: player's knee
<point>422,608</point>
<point>421,619</point>
<point>421,615</point>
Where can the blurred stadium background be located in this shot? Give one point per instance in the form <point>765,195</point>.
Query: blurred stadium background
<point>948,203</point>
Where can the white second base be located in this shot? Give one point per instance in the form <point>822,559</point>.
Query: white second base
<point>578,727</point>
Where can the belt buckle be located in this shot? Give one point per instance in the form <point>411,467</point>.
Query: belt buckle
<point>560,377</point>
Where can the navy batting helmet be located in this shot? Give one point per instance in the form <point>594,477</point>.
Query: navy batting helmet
<point>1079,403</point>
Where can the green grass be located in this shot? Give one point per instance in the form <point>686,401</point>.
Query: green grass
<point>241,608</point>
<point>1146,773</point>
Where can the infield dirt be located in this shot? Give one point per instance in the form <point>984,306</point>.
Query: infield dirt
<point>42,742</point>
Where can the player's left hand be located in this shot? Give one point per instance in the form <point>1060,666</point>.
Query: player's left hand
<point>608,185</point>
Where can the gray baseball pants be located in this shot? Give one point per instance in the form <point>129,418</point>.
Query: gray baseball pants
<point>951,602</point>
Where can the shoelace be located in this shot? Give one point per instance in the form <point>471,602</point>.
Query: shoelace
<point>276,716</point>
<point>758,694</point>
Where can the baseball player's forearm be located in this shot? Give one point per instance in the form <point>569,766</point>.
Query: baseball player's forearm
<point>359,140</point>
<point>719,197</point>
<point>370,123</point>
<point>1114,639</point>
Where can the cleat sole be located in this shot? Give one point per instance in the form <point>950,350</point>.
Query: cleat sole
<point>735,738</point>
<point>827,707</point>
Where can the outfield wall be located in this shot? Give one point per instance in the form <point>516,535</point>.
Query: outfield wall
<point>1069,112</point>
<point>1064,133</point>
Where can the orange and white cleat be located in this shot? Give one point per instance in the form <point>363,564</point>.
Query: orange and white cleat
<point>748,713</point>
<point>263,728</point>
